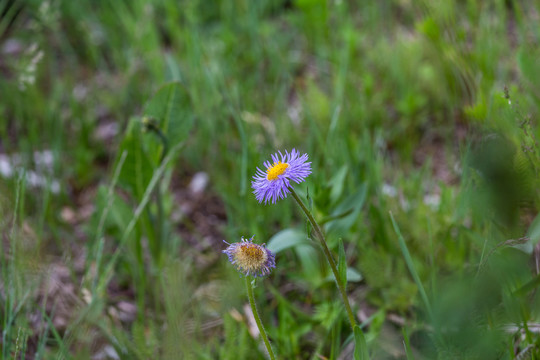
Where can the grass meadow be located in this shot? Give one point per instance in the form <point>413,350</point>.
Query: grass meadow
<point>130,132</point>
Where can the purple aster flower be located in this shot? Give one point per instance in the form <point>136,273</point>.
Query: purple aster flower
<point>273,184</point>
<point>249,258</point>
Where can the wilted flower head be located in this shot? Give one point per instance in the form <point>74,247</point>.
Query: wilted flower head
<point>273,183</point>
<point>250,258</point>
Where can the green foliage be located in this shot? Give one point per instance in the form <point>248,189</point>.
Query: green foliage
<point>342,264</point>
<point>425,110</point>
<point>360,345</point>
<point>286,239</point>
<point>137,172</point>
<point>170,106</point>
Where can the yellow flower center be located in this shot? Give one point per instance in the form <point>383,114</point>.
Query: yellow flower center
<point>276,170</point>
<point>251,256</point>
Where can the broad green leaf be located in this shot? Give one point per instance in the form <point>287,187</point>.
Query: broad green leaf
<point>310,263</point>
<point>337,183</point>
<point>137,170</point>
<point>171,108</point>
<point>353,202</point>
<point>360,345</point>
<point>285,239</point>
<point>119,213</point>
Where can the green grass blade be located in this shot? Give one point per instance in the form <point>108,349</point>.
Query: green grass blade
<point>142,205</point>
<point>410,265</point>
<point>407,344</point>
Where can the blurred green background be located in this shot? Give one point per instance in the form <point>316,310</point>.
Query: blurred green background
<point>130,131</point>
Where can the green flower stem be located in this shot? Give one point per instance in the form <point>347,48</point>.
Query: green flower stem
<point>251,298</point>
<point>329,257</point>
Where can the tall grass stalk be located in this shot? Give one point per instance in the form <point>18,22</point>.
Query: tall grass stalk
<point>101,224</point>
<point>410,265</point>
<point>138,211</point>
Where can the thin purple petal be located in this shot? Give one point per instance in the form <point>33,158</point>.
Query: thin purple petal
<point>273,190</point>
